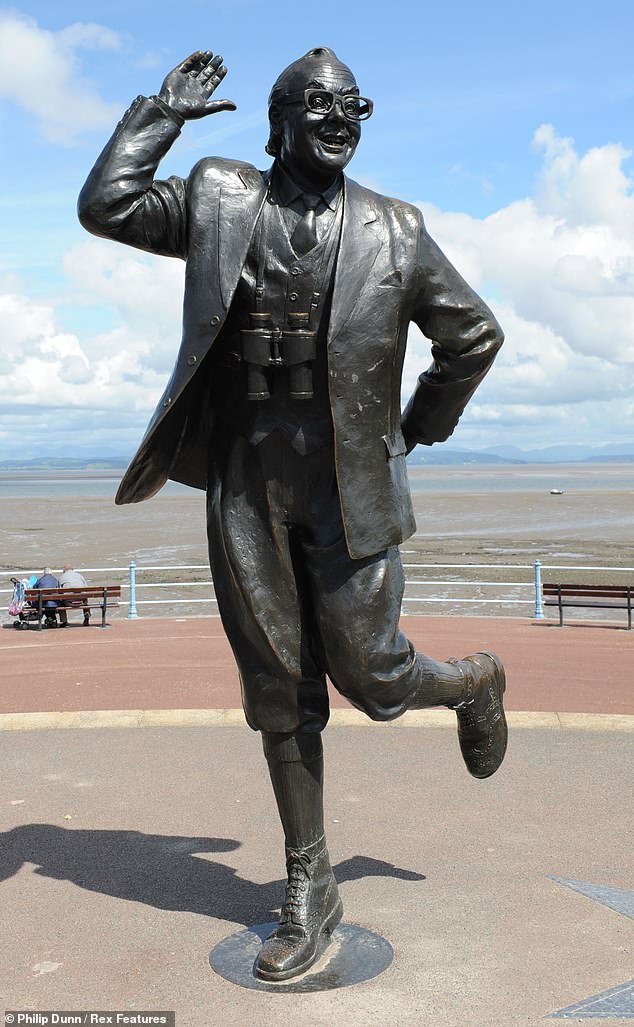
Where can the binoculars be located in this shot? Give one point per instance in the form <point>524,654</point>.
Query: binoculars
<point>266,347</point>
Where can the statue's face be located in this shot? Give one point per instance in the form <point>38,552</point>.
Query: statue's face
<point>316,148</point>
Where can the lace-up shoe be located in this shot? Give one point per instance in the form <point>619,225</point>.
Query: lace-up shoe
<point>482,729</point>
<point>311,911</point>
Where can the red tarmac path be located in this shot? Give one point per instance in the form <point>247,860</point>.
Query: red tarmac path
<point>185,664</point>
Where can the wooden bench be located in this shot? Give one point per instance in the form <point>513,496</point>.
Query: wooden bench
<point>86,597</point>
<point>609,597</point>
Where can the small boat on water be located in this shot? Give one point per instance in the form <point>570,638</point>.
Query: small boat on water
<point>556,492</point>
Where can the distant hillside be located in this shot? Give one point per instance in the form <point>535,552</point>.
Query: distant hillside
<point>432,455</point>
<point>503,454</point>
<point>422,455</point>
<point>564,453</point>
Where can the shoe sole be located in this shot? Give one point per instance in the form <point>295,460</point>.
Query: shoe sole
<point>501,682</point>
<point>323,942</point>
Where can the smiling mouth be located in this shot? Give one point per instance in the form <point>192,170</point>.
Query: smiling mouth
<point>334,142</point>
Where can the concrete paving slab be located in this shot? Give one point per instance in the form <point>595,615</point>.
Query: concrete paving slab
<point>126,855</point>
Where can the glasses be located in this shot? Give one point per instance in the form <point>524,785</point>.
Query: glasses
<point>323,101</point>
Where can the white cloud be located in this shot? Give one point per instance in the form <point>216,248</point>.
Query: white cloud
<point>65,102</point>
<point>107,382</point>
<point>89,35</point>
<point>588,190</point>
<point>558,270</point>
<point>143,292</point>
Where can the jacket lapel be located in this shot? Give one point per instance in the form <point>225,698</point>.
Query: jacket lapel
<point>358,249</point>
<point>241,200</point>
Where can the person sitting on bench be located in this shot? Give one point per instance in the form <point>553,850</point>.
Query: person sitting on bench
<point>70,578</point>
<point>48,580</point>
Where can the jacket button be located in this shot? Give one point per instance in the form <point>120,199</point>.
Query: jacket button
<point>215,320</point>
<point>191,359</point>
<point>167,401</point>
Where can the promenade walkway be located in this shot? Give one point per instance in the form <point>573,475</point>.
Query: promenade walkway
<point>186,664</point>
<point>130,847</point>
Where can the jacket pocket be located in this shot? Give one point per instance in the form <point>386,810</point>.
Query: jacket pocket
<point>395,444</point>
<point>400,495</point>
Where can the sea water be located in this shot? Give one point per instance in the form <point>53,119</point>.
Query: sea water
<point>470,479</point>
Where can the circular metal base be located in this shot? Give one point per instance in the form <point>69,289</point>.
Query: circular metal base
<point>354,955</point>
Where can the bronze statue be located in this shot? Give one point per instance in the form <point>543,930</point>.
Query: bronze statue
<point>284,405</point>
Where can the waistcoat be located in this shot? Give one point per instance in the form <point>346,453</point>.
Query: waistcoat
<point>276,281</point>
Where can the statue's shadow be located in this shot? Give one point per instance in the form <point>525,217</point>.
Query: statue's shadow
<point>163,871</point>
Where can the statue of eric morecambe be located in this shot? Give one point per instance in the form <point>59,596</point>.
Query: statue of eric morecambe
<point>284,405</point>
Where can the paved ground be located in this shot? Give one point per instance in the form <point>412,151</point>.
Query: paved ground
<point>166,664</point>
<point>127,854</point>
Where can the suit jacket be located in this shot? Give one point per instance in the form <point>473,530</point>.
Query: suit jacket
<point>388,272</point>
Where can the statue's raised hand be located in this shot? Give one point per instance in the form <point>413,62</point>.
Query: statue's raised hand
<point>188,87</point>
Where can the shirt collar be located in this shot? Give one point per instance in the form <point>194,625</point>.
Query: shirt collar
<point>284,190</point>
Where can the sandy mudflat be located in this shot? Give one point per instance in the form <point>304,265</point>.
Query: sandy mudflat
<point>586,526</point>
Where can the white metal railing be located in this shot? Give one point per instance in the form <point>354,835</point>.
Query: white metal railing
<point>129,580</point>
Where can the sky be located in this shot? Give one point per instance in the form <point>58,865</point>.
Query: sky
<point>510,125</point>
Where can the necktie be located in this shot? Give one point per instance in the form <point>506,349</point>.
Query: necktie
<point>304,236</point>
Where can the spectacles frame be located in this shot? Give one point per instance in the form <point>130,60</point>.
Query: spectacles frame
<point>307,94</point>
